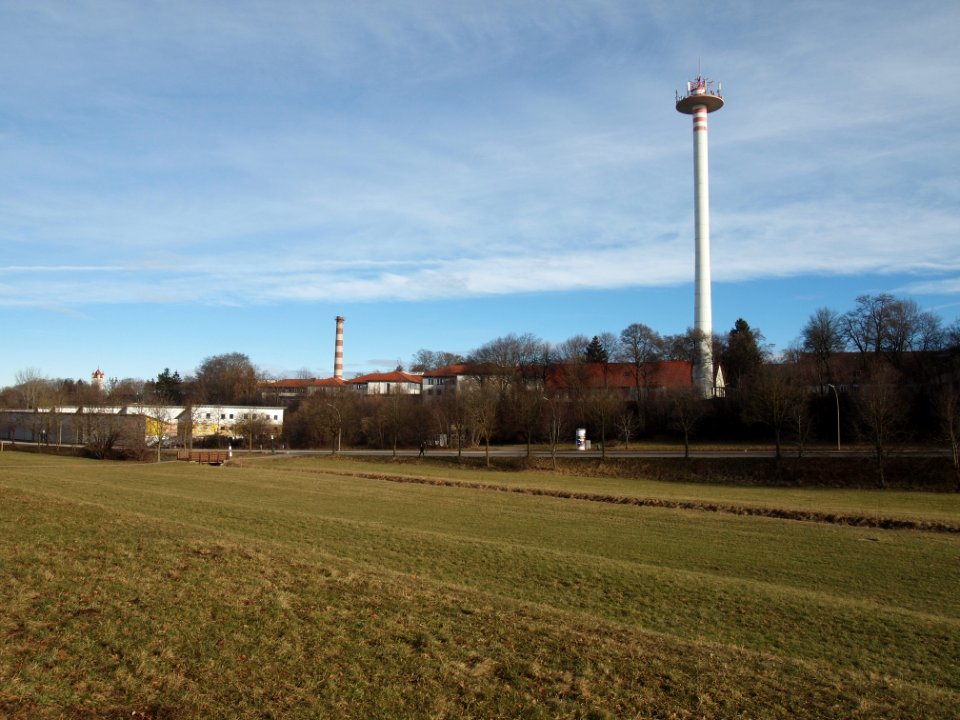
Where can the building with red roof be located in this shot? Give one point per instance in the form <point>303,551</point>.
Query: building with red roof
<point>390,383</point>
<point>286,392</point>
<point>626,379</point>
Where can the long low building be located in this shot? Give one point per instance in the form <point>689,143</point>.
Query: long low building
<point>75,426</point>
<point>151,423</point>
<point>391,383</point>
<point>232,420</point>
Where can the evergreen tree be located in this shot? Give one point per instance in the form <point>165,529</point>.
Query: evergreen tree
<point>169,386</point>
<point>596,352</point>
<point>743,355</point>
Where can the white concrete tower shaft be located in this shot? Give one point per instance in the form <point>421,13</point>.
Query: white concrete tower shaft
<point>338,355</point>
<point>698,102</point>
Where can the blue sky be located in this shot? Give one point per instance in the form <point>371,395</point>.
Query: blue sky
<point>183,179</point>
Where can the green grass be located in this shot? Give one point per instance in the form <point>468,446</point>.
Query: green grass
<point>915,506</point>
<point>281,590</point>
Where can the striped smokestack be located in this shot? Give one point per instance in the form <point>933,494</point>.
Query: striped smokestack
<point>338,357</point>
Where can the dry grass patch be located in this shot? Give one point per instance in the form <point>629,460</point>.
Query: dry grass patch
<point>183,592</point>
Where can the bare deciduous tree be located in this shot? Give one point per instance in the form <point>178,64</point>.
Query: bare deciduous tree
<point>628,423</point>
<point>424,360</point>
<point>481,401</point>
<point>32,386</point>
<point>949,411</point>
<point>774,399</point>
<point>822,337</point>
<point>881,411</point>
<point>572,349</point>
<point>605,406</point>
<point>102,431</point>
<point>686,408</point>
<point>456,413</point>
<point>528,405</point>
<point>886,324</point>
<point>254,427</point>
<point>640,346</point>
<point>229,379</point>
<point>556,422</point>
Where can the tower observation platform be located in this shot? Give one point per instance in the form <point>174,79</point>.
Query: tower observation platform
<point>699,94</point>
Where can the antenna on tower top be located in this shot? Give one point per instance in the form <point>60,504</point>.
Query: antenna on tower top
<point>699,93</point>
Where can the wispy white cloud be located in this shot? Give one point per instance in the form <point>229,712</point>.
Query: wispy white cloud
<point>245,153</point>
<point>58,269</point>
<point>942,286</point>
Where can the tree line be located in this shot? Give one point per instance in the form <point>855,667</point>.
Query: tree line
<point>227,379</point>
<point>884,371</point>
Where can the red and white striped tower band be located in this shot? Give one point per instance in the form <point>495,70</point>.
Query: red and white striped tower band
<point>699,101</point>
<point>338,356</point>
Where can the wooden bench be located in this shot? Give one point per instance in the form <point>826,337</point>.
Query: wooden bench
<point>210,457</point>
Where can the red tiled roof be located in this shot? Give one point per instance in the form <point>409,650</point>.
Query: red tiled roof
<point>395,377</point>
<point>671,374</point>
<point>292,383</point>
<point>450,371</point>
<point>668,374</point>
<point>470,369</point>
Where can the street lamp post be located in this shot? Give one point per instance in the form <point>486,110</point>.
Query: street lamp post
<point>837,396</point>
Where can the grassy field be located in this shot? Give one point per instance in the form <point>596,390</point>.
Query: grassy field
<point>291,589</point>
<point>921,507</point>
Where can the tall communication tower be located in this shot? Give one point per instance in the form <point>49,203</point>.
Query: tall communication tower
<point>699,101</point>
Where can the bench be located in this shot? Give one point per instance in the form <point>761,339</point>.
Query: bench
<point>210,457</point>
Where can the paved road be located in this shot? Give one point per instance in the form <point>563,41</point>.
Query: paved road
<point>593,454</point>
<point>583,455</point>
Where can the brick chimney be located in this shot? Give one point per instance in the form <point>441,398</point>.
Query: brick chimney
<point>338,357</point>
